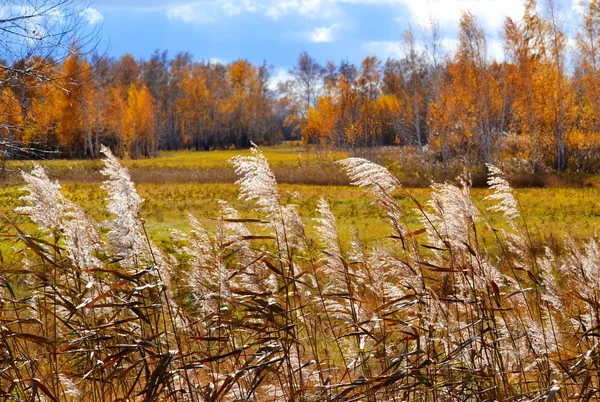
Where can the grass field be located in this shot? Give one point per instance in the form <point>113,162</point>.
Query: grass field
<point>186,181</point>
<point>257,305</point>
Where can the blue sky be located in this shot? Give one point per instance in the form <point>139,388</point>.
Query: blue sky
<point>278,30</point>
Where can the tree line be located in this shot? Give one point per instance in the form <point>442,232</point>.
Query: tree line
<point>541,103</point>
<point>138,107</point>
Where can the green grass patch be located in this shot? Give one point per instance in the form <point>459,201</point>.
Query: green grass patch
<point>179,182</point>
<point>550,213</point>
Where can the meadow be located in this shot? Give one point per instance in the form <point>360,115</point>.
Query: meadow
<point>307,290</point>
<point>181,182</point>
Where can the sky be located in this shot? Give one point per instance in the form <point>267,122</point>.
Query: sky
<point>276,31</point>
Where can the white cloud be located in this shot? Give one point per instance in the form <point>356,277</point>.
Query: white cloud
<point>496,49</point>
<point>449,45</point>
<point>216,60</point>
<point>193,12</point>
<point>35,27</point>
<point>489,13</point>
<point>280,76</point>
<point>578,7</point>
<point>208,11</point>
<point>322,34</point>
<point>396,49</point>
<point>57,16</point>
<point>202,11</point>
<point>393,49</point>
<point>383,49</point>
<point>239,6</point>
<point>183,12</point>
<point>306,8</point>
<point>92,16</point>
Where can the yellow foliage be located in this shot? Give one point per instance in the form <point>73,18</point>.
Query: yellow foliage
<point>139,124</point>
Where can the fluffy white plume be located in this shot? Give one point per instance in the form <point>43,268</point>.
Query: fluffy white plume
<point>503,193</point>
<point>81,237</point>
<point>70,389</point>
<point>255,276</point>
<point>209,273</point>
<point>46,206</point>
<point>551,292</point>
<point>453,215</point>
<point>257,181</point>
<point>381,183</point>
<point>327,227</point>
<point>333,268</point>
<point>364,173</point>
<point>50,210</point>
<point>389,276</point>
<point>328,235</point>
<point>126,234</point>
<point>200,246</point>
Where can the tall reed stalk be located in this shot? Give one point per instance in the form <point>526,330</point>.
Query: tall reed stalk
<point>265,310</point>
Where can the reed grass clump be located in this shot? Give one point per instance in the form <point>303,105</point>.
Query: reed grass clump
<point>263,309</point>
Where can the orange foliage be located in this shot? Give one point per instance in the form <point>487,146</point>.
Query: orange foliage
<point>531,105</point>
<point>139,124</point>
<point>73,128</point>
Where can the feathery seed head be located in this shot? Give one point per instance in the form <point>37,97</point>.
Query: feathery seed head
<point>126,234</point>
<point>50,210</point>
<point>364,173</point>
<point>380,182</point>
<point>327,227</point>
<point>45,201</point>
<point>503,193</point>
<point>81,237</point>
<point>257,181</point>
<point>453,214</point>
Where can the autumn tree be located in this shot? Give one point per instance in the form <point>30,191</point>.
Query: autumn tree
<point>154,74</point>
<point>467,116</point>
<point>41,119</point>
<point>330,75</point>
<point>536,46</point>
<point>464,105</point>
<point>520,48</point>
<point>368,87</point>
<point>114,111</point>
<point>321,122</point>
<point>404,82</point>
<point>415,67</point>
<point>35,104</point>
<point>179,68</point>
<point>198,107</point>
<point>74,126</point>
<point>246,104</point>
<point>586,141</point>
<point>139,126</point>
<point>127,72</point>
<point>11,115</point>
<point>556,40</point>
<point>392,126</point>
<point>306,83</point>
<point>37,38</point>
<point>219,91</point>
<point>436,60</point>
<point>349,111</point>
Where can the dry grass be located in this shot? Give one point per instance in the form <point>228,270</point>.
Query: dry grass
<point>290,165</point>
<point>300,166</point>
<point>258,305</point>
